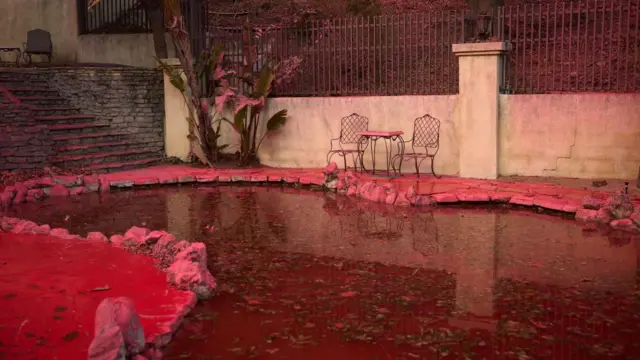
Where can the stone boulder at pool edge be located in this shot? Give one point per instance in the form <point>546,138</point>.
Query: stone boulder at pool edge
<point>330,176</point>
<point>118,331</point>
<point>190,275</point>
<point>189,268</point>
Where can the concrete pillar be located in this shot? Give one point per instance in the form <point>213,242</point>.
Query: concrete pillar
<point>176,126</point>
<point>480,76</point>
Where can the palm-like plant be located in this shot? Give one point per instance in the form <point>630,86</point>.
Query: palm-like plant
<point>249,106</point>
<point>203,104</point>
<point>247,115</point>
<point>203,84</point>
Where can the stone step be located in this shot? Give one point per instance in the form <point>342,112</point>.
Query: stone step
<point>99,146</point>
<point>54,110</point>
<point>63,119</point>
<point>42,100</point>
<point>126,165</point>
<point>21,75</point>
<point>32,91</point>
<point>77,129</point>
<point>23,82</point>
<point>86,160</point>
<point>14,116</point>
<point>99,135</point>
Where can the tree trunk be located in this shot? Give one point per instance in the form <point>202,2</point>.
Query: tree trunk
<point>155,15</point>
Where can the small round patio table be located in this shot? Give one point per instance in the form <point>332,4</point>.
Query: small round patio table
<point>386,136</point>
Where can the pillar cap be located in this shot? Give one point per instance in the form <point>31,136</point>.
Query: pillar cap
<point>171,62</point>
<point>481,48</point>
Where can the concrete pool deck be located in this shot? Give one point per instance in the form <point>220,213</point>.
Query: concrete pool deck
<point>571,190</point>
<point>425,185</point>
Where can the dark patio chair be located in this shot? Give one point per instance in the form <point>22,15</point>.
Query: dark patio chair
<point>38,43</point>
<point>350,142</point>
<point>424,144</point>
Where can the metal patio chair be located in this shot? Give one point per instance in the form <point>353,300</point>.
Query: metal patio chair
<point>424,144</point>
<point>350,142</point>
<point>38,43</point>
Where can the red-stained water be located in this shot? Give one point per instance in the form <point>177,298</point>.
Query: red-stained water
<point>310,276</point>
<point>50,288</point>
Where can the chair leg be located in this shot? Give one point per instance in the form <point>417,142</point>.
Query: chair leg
<point>415,160</point>
<point>344,158</point>
<point>356,159</point>
<point>432,169</point>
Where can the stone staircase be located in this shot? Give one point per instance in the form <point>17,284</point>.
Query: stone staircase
<point>80,140</point>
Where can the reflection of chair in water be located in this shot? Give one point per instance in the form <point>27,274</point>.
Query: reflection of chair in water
<point>357,223</point>
<point>380,226</point>
<point>424,232</point>
<point>339,207</point>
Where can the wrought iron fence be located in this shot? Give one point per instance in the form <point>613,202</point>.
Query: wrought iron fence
<point>112,17</point>
<point>583,46</point>
<point>382,55</point>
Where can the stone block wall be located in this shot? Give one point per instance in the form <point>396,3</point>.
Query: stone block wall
<point>131,99</point>
<point>24,145</point>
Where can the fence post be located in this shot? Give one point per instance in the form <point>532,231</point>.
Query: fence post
<point>480,76</point>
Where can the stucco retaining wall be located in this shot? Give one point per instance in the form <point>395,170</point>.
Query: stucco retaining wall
<point>570,135</point>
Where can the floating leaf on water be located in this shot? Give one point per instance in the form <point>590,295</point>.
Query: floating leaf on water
<point>537,324</point>
<point>101,288</point>
<point>237,351</point>
<point>70,336</point>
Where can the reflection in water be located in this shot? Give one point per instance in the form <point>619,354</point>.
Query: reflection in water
<point>318,276</point>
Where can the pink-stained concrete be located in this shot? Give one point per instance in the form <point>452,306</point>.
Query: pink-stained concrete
<point>566,195</point>
<point>50,289</point>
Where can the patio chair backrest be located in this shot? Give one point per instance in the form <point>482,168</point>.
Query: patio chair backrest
<point>350,128</point>
<point>426,132</point>
<point>38,41</point>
